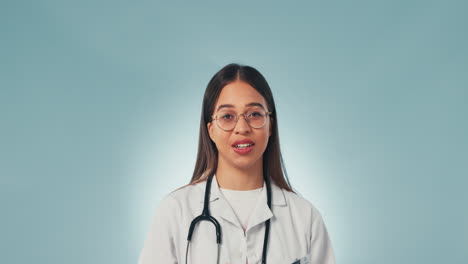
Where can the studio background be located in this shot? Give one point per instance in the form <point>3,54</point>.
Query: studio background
<point>100,105</point>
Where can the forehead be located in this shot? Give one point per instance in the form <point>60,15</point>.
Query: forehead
<point>239,94</point>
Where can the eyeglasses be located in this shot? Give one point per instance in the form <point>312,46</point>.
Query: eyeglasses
<point>227,119</point>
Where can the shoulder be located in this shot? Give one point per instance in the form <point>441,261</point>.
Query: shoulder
<point>179,199</point>
<point>304,215</point>
<point>187,192</point>
<point>301,205</point>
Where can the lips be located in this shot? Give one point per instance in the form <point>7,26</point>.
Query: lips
<point>243,141</point>
<point>243,150</point>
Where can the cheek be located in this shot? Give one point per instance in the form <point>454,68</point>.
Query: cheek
<point>222,141</point>
<point>263,139</point>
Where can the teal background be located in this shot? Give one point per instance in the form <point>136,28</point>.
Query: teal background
<point>100,104</point>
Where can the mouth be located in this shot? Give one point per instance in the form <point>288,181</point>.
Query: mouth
<point>243,148</point>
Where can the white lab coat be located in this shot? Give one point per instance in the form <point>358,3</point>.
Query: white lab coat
<point>297,230</point>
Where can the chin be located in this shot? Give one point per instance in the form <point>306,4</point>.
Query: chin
<point>245,162</point>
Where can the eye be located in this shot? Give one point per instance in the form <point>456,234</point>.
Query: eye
<point>227,116</point>
<point>255,114</point>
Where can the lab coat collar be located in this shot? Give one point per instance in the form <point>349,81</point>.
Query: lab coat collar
<point>219,206</point>
<point>277,195</point>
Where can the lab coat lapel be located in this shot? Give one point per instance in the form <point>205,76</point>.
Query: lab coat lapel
<point>262,212</point>
<point>219,207</point>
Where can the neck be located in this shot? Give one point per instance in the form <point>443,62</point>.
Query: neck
<point>234,178</point>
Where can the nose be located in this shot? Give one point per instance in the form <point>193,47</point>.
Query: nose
<point>242,126</point>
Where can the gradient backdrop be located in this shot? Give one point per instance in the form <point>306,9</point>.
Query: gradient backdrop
<point>100,104</point>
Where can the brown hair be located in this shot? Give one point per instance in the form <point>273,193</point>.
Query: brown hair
<point>207,156</point>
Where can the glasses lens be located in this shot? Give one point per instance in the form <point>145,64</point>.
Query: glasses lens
<point>227,119</point>
<point>256,118</point>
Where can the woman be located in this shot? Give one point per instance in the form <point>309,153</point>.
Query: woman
<point>246,209</point>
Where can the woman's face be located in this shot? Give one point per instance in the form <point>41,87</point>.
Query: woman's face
<point>239,95</point>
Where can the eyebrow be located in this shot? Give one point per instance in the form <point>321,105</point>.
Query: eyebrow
<point>247,105</point>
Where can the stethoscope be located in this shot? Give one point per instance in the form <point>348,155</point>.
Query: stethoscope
<point>206,216</point>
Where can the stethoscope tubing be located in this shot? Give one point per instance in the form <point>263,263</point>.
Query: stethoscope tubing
<point>206,216</point>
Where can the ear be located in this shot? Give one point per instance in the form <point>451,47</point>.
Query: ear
<point>209,126</point>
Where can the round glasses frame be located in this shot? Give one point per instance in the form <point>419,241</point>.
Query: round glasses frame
<point>215,117</point>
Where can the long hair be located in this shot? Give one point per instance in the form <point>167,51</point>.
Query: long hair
<point>207,156</point>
